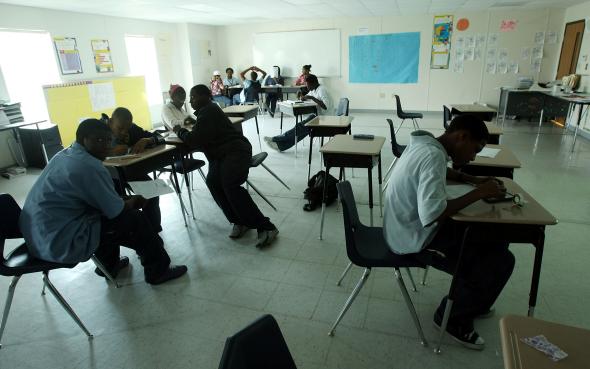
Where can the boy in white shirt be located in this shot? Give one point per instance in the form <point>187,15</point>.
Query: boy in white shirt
<point>417,221</point>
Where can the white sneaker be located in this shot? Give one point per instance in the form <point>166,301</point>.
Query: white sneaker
<point>238,231</point>
<point>273,145</point>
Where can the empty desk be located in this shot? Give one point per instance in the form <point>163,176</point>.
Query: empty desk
<point>484,112</point>
<point>502,165</point>
<point>326,126</point>
<point>245,112</point>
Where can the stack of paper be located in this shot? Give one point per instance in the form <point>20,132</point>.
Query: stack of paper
<point>488,152</point>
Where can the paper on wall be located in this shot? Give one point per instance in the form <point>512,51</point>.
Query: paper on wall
<point>480,40</point>
<point>525,53</point>
<point>477,54</point>
<point>551,37</point>
<point>508,25</point>
<point>459,55</point>
<point>539,38</point>
<point>460,42</point>
<point>491,67</point>
<point>537,52</point>
<point>458,66</point>
<point>470,41</point>
<point>513,67</point>
<point>502,55</point>
<point>491,55</point>
<point>102,96</point>
<point>502,67</point>
<point>469,54</point>
<point>493,40</point>
<point>536,65</point>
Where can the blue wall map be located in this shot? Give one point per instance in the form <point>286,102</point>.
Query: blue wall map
<point>387,58</point>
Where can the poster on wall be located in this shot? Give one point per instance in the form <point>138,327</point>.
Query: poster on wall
<point>102,56</point>
<point>441,42</point>
<point>68,55</point>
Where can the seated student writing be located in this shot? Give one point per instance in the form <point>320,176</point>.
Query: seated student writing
<point>417,221</point>
<point>317,94</point>
<point>128,136</point>
<point>252,86</point>
<point>229,154</point>
<point>73,212</point>
<point>173,113</point>
<point>218,90</point>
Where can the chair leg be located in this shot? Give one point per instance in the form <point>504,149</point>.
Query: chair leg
<point>274,175</point>
<point>103,270</point>
<point>424,276</point>
<point>261,195</point>
<point>190,196</point>
<point>7,305</point>
<point>64,303</point>
<point>411,308</point>
<point>350,300</point>
<point>202,175</point>
<point>344,274</point>
<point>400,126</point>
<point>411,279</point>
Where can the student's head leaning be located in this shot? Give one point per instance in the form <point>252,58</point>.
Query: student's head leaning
<point>311,81</point>
<point>200,96</point>
<point>95,136</point>
<point>177,96</point>
<point>465,137</point>
<point>120,122</point>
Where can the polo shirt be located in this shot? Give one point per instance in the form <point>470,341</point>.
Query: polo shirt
<point>321,93</point>
<point>61,218</point>
<point>172,116</point>
<point>416,195</point>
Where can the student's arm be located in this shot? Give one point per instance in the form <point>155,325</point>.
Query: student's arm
<point>243,73</point>
<point>118,150</point>
<point>203,131</point>
<point>98,190</point>
<point>455,175</point>
<point>261,71</point>
<point>488,189</point>
<point>140,139</point>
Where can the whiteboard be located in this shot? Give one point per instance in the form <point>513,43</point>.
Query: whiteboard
<point>291,50</point>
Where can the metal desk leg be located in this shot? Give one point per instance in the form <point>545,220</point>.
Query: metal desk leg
<point>258,132</point>
<point>370,170</point>
<point>536,272</point>
<point>380,177</point>
<point>323,204</point>
<point>577,126</point>
<point>281,122</point>
<point>296,121</point>
<point>177,189</point>
<point>309,159</point>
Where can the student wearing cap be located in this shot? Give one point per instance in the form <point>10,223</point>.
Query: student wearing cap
<point>173,113</point>
<point>217,89</point>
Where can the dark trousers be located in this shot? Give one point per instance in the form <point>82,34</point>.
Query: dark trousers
<point>271,100</point>
<point>152,206</point>
<point>485,268</point>
<point>132,229</point>
<point>287,139</point>
<point>225,179</point>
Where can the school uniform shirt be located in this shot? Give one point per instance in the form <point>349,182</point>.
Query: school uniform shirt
<point>231,81</point>
<point>172,116</point>
<point>416,195</point>
<point>321,93</point>
<point>61,218</point>
<point>216,87</point>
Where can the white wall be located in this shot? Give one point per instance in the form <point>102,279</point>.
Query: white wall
<point>434,87</point>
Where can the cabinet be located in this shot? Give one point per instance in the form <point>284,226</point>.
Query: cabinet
<point>526,104</point>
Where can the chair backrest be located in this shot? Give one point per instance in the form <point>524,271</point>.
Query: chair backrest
<point>343,107</point>
<point>352,223</point>
<point>9,214</point>
<point>395,147</point>
<point>258,346</point>
<point>446,116</point>
<point>398,105</point>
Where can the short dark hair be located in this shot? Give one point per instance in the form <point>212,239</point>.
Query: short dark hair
<point>201,90</point>
<point>122,114</point>
<point>178,90</point>
<point>90,127</point>
<point>254,76</point>
<point>228,69</point>
<point>312,79</point>
<point>307,67</point>
<point>472,124</point>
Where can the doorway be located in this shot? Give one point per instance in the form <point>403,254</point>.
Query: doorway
<point>570,48</point>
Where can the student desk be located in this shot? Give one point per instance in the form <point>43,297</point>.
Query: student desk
<point>495,133</point>
<point>326,126</point>
<point>502,165</point>
<point>519,355</point>
<point>511,224</point>
<point>297,110</point>
<point>148,161</point>
<point>484,112</point>
<point>345,152</point>
<point>14,127</point>
<point>245,112</point>
<point>581,100</point>
<point>280,89</point>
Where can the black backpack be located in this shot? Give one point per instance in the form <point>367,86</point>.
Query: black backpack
<point>315,188</point>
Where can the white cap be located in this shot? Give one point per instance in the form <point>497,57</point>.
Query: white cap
<point>216,73</point>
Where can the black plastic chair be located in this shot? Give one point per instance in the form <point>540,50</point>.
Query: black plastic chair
<point>447,117</point>
<point>401,114</point>
<point>367,248</point>
<point>19,262</point>
<point>257,160</point>
<point>260,345</point>
<point>186,167</point>
<point>342,109</point>
<point>397,150</point>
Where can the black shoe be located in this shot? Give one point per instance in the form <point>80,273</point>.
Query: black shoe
<point>173,272</point>
<point>122,264</point>
<point>466,336</point>
<point>272,114</point>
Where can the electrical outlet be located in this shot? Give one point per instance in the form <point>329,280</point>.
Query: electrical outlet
<point>382,95</point>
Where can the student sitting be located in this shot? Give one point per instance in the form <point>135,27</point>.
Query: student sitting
<point>173,112</point>
<point>252,86</point>
<point>73,211</point>
<point>417,221</point>
<point>217,90</point>
<point>272,97</point>
<point>300,81</point>
<point>229,154</point>
<point>319,95</point>
<point>128,136</point>
<point>229,81</point>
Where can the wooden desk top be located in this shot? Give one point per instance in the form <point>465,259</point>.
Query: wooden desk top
<point>504,159</point>
<point>330,121</point>
<point>473,108</point>
<point>124,162</point>
<point>531,213</point>
<point>345,144</point>
<point>493,129</point>
<point>239,109</point>
<point>519,355</point>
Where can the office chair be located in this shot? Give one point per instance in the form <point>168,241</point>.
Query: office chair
<point>406,115</point>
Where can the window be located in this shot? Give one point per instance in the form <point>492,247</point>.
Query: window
<point>143,61</point>
<point>28,62</point>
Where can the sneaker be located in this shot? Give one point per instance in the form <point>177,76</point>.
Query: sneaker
<point>273,145</point>
<point>466,337</point>
<point>173,272</point>
<point>122,264</point>
<point>238,231</point>
<point>486,314</point>
<point>265,238</point>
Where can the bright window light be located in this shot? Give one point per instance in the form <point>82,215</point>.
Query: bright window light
<point>28,62</point>
<point>143,61</point>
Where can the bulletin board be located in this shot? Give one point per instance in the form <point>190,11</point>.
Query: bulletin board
<point>70,103</point>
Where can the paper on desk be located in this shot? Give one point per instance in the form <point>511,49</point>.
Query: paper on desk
<point>122,157</point>
<point>488,152</point>
<point>149,189</point>
<point>458,190</point>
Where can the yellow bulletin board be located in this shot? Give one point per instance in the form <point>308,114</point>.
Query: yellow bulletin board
<point>70,103</point>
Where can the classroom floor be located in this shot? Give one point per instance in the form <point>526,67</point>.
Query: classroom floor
<point>183,324</point>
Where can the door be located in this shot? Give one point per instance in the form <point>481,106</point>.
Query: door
<point>570,48</point>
